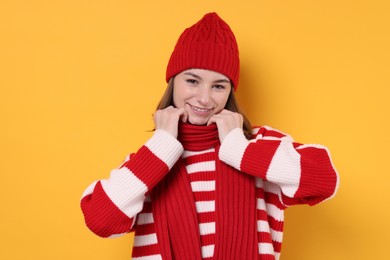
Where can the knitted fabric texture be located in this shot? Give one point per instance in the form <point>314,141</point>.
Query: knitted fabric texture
<point>286,173</point>
<point>176,222</point>
<point>209,44</point>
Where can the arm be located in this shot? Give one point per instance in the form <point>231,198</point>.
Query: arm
<point>110,206</point>
<point>304,173</point>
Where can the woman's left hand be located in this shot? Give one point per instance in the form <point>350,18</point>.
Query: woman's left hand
<point>226,121</point>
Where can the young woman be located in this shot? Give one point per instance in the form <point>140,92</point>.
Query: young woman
<point>207,185</point>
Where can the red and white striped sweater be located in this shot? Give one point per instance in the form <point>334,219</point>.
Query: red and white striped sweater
<point>285,172</point>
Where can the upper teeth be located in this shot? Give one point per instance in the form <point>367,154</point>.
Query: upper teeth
<point>200,109</point>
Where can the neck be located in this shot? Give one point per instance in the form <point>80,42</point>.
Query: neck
<point>198,137</point>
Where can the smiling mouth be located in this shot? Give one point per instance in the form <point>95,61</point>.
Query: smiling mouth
<point>200,110</point>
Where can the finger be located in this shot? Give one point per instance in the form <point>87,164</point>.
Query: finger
<point>212,120</point>
<point>184,116</point>
<point>180,111</point>
<point>156,115</point>
<point>224,112</point>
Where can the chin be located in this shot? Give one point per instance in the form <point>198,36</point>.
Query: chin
<point>197,121</point>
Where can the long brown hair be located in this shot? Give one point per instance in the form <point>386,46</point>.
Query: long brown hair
<point>231,105</point>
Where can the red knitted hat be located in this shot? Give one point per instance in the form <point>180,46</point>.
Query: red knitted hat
<point>209,44</point>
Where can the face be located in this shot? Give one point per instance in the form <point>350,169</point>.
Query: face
<point>202,93</point>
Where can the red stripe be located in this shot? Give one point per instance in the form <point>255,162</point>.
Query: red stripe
<point>262,215</point>
<point>206,217</point>
<point>318,180</point>
<point>275,224</point>
<point>202,176</point>
<point>266,257</point>
<point>277,246</point>
<point>273,133</point>
<point>264,237</point>
<point>147,167</point>
<point>204,196</point>
<point>204,157</point>
<point>147,207</point>
<point>139,251</point>
<point>274,199</point>
<point>268,132</point>
<point>207,240</point>
<point>102,216</point>
<point>263,149</point>
<point>260,193</point>
<point>146,229</point>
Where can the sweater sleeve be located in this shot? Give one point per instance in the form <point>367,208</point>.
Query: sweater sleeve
<point>304,173</point>
<point>110,206</point>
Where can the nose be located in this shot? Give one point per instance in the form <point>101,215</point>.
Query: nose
<point>204,96</point>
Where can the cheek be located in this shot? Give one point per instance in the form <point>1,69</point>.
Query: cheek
<point>223,101</point>
<point>178,98</point>
<point>176,101</point>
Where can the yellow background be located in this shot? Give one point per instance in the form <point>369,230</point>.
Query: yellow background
<point>80,80</point>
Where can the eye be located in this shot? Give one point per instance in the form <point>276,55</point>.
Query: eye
<point>219,87</point>
<point>192,81</point>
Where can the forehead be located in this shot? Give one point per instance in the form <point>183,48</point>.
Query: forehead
<point>204,74</point>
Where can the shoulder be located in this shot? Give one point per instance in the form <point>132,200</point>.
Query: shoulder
<point>259,132</point>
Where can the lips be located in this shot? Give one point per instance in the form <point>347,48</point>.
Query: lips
<point>200,110</point>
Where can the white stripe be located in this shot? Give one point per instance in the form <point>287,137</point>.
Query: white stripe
<point>205,206</point>
<point>271,138</point>
<point>261,204</point>
<point>263,226</point>
<point>276,236</point>
<point>203,186</point>
<point>273,129</point>
<point>271,210</point>
<point>201,167</point>
<point>271,188</point>
<point>274,189</point>
<point>207,228</point>
<point>233,148</point>
<point>89,190</point>
<point>317,146</point>
<point>207,251</point>
<point>165,147</point>
<point>192,153</point>
<point>145,218</point>
<point>285,167</point>
<point>266,248</point>
<point>127,158</point>
<point>126,191</point>
<point>117,235</point>
<point>255,130</point>
<point>125,161</point>
<point>145,240</point>
<point>148,257</point>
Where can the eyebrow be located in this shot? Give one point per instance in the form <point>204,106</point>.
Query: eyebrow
<point>198,77</point>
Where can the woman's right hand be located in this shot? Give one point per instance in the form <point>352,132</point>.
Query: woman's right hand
<point>168,119</point>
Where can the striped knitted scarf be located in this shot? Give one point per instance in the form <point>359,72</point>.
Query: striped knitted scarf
<point>175,214</point>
